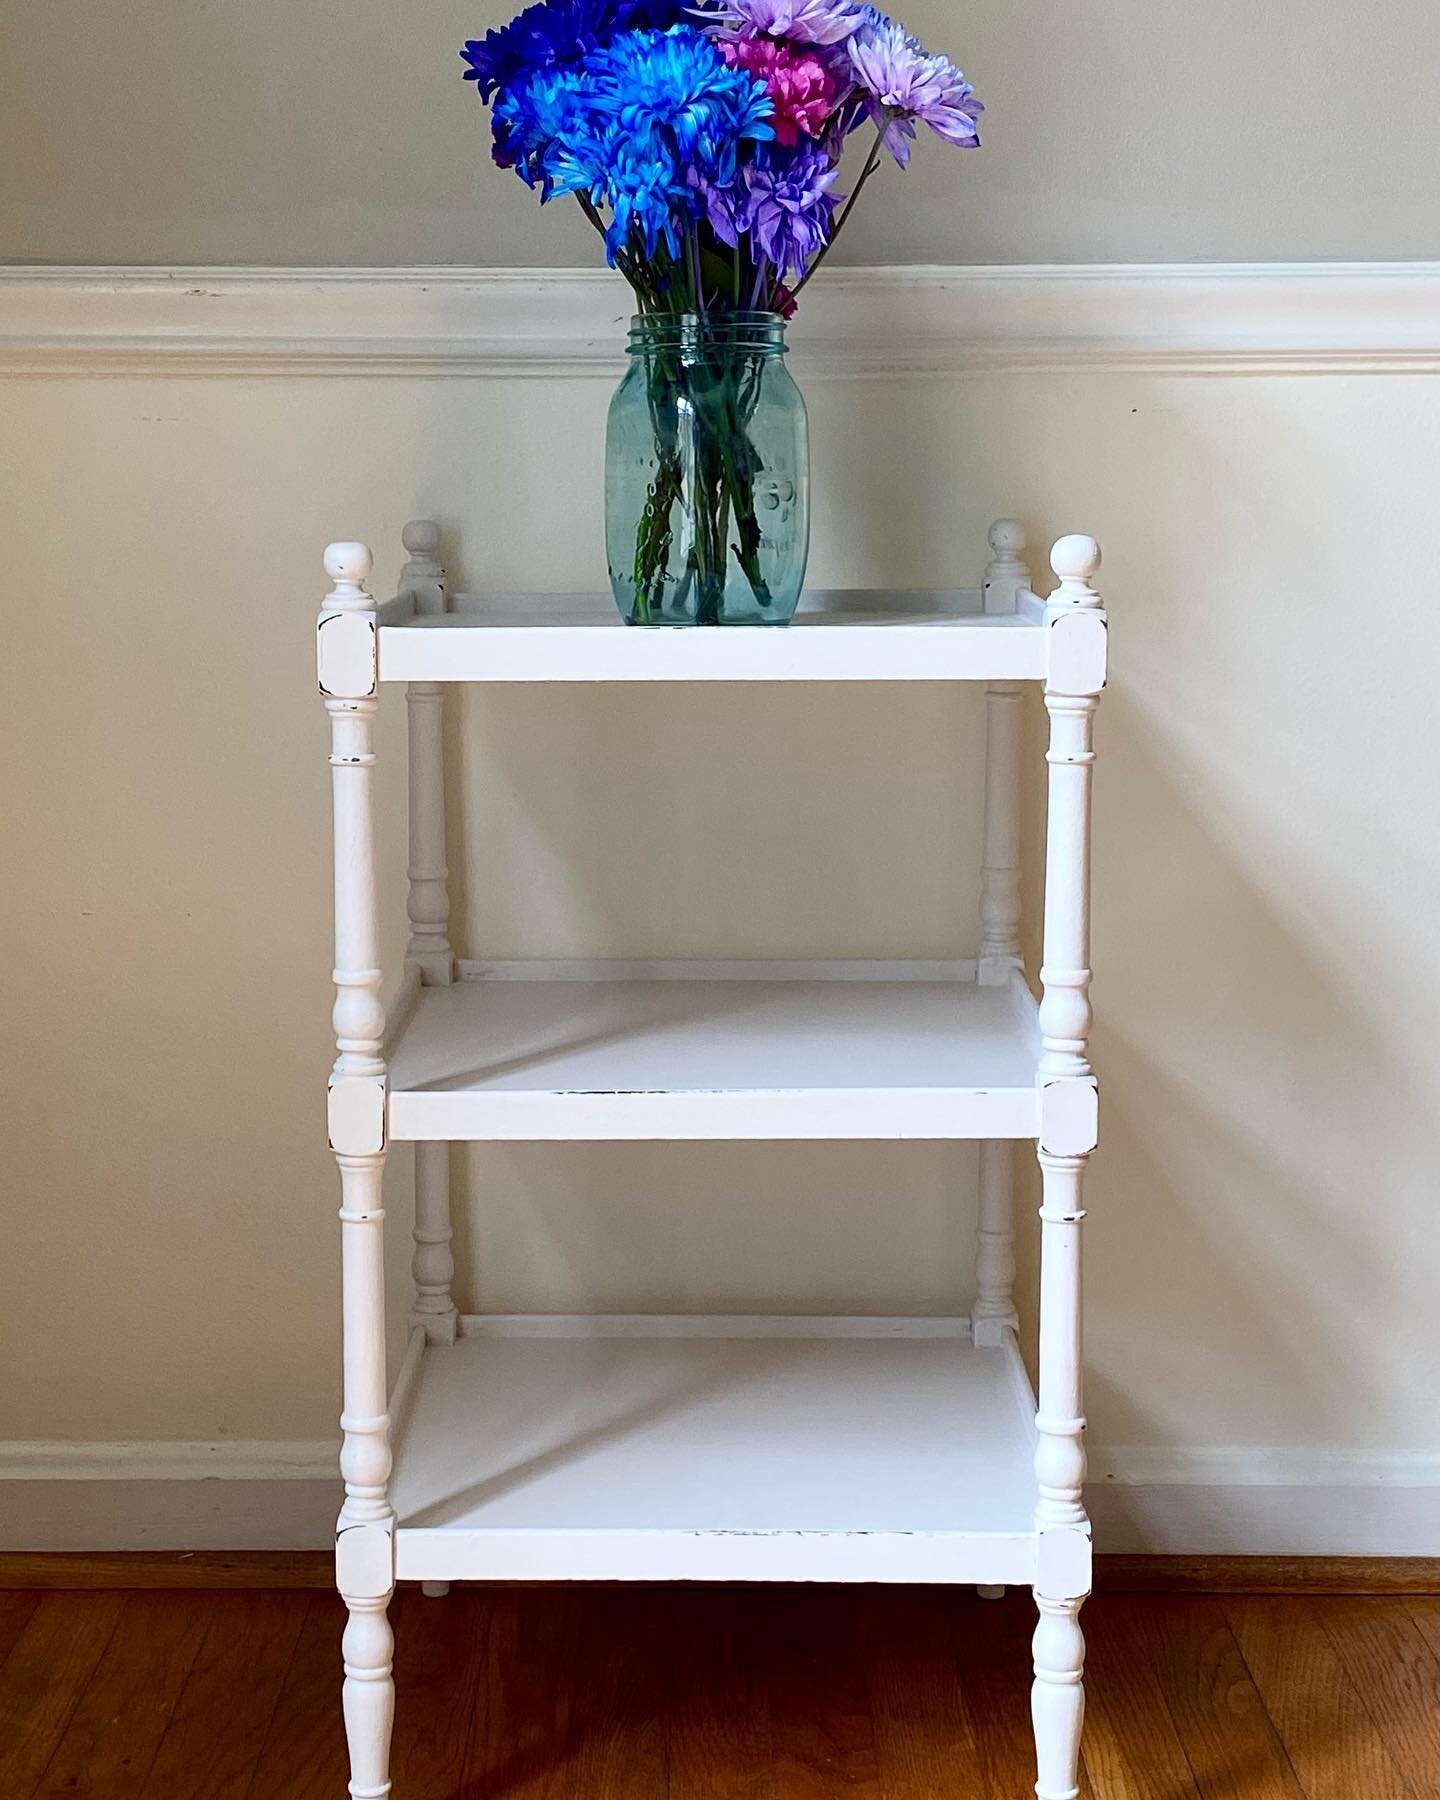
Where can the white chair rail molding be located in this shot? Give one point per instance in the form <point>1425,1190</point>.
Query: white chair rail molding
<point>1163,318</point>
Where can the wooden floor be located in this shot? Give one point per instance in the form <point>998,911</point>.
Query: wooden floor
<point>715,1694</point>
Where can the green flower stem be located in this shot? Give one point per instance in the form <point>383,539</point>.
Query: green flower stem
<point>714,480</point>
<point>872,164</point>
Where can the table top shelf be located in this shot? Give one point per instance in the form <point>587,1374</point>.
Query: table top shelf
<point>838,635</point>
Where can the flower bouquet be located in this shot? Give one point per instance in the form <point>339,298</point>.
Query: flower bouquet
<point>704,143</point>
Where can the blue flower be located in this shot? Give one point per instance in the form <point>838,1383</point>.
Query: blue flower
<point>555,33</point>
<point>675,90</point>
<point>531,116</point>
<point>636,129</point>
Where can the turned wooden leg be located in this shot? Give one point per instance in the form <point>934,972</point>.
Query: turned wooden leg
<point>1063,1580</point>
<point>364,1540</point>
<point>1067,1136</point>
<point>433,1265</point>
<point>1057,1700</point>
<point>369,1697</point>
<point>364,1549</point>
<point>994,1316</point>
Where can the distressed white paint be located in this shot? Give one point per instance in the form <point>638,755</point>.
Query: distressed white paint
<point>728,1449</point>
<point>745,1449</point>
<point>785,1058</point>
<point>1176,317</point>
<point>364,1562</point>
<point>1063,1571</point>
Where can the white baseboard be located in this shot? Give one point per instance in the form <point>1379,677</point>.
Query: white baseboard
<point>1182,318</point>
<point>256,1495</point>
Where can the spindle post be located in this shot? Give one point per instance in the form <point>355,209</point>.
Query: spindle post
<point>1076,623</point>
<point>433,1264</point>
<point>1000,960</point>
<point>364,1556</point>
<point>994,1313</point>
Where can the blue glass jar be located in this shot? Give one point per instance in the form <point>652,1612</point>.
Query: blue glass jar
<point>707,474</point>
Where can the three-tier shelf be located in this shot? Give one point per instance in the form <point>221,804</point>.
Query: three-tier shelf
<point>713,1449</point>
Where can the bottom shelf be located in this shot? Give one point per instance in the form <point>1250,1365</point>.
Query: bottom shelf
<point>631,1449</point>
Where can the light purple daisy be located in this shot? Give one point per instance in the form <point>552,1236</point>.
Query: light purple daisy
<point>904,83</point>
<point>808,21</point>
<point>789,206</point>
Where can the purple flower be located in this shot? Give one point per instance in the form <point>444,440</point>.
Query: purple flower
<point>788,205</point>
<point>811,22</point>
<point>722,204</point>
<point>904,83</point>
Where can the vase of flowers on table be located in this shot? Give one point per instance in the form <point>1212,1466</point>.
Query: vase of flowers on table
<point>704,143</point>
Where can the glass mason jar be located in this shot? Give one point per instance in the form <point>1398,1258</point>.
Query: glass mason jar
<point>707,474</point>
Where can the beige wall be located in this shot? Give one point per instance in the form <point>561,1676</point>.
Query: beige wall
<point>171,131</point>
<point>1262,1254</point>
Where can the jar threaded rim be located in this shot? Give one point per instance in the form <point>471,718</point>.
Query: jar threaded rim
<point>701,334</point>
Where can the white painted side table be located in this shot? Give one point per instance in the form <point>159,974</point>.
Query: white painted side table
<point>715,1449</point>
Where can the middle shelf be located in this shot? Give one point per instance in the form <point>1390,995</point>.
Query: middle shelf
<point>593,1052</point>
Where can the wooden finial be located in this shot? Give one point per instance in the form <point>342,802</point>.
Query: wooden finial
<point>1007,574</point>
<point>422,577</point>
<point>1076,560</point>
<point>421,537</point>
<point>349,567</point>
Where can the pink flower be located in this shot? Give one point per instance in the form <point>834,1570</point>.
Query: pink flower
<point>801,86</point>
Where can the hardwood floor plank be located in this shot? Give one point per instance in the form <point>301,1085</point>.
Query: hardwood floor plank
<point>924,1746</point>
<point>719,1718</point>
<point>1425,1615</point>
<point>522,1738</point>
<point>1328,1735</point>
<point>822,1729</point>
<point>115,1730</point>
<point>1131,1749</point>
<point>439,1659</point>
<point>267,1569</point>
<point>212,1745</point>
<point>990,1640</point>
<point>746,1693</point>
<point>1417,1576</point>
<point>1397,1575</point>
<point>1389,1662</point>
<point>15,1611</point>
<point>302,1754</point>
<point>622,1703</point>
<point>1229,1741</point>
<point>46,1673</point>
